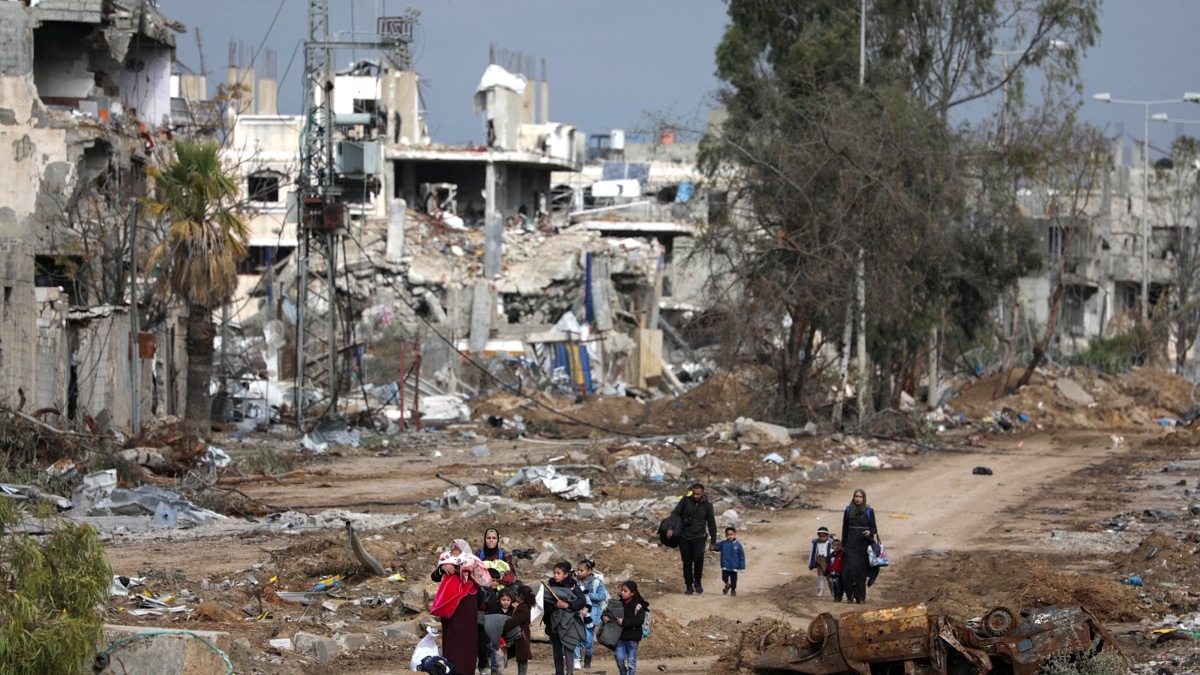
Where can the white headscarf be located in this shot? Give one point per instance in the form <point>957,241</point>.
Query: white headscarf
<point>466,560</point>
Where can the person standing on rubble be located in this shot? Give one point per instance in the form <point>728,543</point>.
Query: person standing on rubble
<point>695,512</point>
<point>858,530</point>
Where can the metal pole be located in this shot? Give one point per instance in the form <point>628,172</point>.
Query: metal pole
<point>400,392</point>
<point>417,384</point>
<point>1145,221</point>
<point>135,352</point>
<point>331,279</point>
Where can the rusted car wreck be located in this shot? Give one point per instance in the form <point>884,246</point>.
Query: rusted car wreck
<point>912,641</point>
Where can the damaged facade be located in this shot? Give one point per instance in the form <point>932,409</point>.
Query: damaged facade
<point>1104,256</point>
<point>86,91</point>
<point>574,301</point>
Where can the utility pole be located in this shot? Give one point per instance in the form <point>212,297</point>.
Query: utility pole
<point>135,351</point>
<point>322,217</point>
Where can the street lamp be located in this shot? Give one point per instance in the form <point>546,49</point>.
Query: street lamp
<point>1163,117</point>
<point>1107,98</point>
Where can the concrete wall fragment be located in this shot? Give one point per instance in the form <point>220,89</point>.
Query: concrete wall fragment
<point>18,323</point>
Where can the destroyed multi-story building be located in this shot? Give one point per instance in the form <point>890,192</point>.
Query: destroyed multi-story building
<point>1103,266</point>
<point>416,245</point>
<point>85,102</point>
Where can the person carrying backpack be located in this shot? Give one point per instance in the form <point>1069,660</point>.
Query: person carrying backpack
<point>696,514</point>
<point>631,614</point>
<point>858,530</point>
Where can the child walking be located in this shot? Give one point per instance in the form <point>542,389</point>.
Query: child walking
<point>818,558</point>
<point>502,607</point>
<point>733,560</point>
<point>631,615</point>
<point>520,648</point>
<point>835,570</point>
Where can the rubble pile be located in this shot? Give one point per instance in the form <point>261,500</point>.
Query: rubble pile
<point>1078,398</point>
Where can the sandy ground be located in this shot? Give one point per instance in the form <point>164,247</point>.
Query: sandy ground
<point>995,529</point>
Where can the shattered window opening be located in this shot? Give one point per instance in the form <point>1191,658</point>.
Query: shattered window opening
<point>62,71</point>
<point>263,187</point>
<point>258,258</point>
<point>59,271</point>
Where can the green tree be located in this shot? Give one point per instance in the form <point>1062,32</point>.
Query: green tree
<point>53,585</point>
<point>196,258</point>
<point>822,170</point>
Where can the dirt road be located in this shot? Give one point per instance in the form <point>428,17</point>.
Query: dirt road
<point>930,500</point>
<point>937,503</point>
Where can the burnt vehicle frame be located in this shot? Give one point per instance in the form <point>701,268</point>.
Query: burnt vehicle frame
<point>909,640</point>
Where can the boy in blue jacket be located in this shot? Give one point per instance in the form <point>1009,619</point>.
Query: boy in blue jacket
<point>733,560</point>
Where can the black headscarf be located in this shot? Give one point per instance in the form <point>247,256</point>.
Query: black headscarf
<point>485,551</point>
<point>856,509</point>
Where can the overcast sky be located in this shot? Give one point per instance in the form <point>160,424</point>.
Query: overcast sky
<point>625,63</point>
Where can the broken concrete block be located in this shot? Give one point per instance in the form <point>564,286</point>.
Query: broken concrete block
<point>353,642</point>
<point>402,630</point>
<point>304,641</point>
<point>730,518</point>
<point>325,650</point>
<point>167,653</point>
<point>586,511</point>
<point>762,433</point>
<point>478,509</point>
<point>1070,390</point>
<point>414,599</point>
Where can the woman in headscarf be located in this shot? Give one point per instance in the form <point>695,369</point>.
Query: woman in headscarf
<point>858,530</point>
<point>497,558</point>
<point>459,575</point>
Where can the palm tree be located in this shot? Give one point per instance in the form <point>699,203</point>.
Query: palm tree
<point>196,260</point>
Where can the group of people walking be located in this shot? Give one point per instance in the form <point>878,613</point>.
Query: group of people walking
<point>842,563</point>
<point>487,611</point>
<point>846,563</point>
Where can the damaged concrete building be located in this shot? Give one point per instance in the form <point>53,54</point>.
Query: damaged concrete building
<point>85,87</point>
<point>577,283</point>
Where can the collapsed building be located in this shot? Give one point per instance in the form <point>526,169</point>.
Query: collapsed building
<point>584,266</point>
<point>85,105</point>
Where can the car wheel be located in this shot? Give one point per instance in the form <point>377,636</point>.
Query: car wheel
<point>998,622</point>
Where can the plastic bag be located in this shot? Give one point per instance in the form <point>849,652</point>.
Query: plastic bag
<point>426,647</point>
<point>876,555</point>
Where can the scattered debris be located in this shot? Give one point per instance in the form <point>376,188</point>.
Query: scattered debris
<point>99,496</point>
<point>903,638</point>
<point>647,466</point>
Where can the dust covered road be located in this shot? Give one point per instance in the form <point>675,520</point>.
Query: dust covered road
<point>936,504</point>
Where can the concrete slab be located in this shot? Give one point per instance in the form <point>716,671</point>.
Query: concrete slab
<point>164,653</point>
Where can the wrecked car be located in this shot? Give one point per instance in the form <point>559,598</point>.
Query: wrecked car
<point>910,640</point>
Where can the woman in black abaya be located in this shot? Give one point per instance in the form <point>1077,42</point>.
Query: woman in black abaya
<point>858,530</point>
